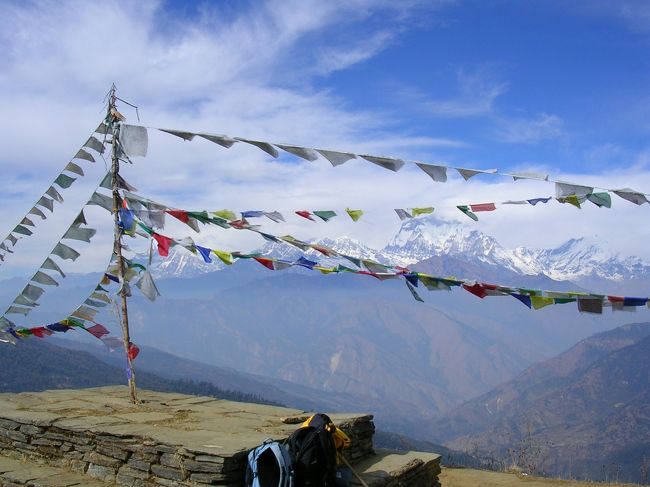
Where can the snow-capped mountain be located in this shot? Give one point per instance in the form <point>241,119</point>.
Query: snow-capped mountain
<point>580,258</point>
<point>423,238</point>
<point>180,263</point>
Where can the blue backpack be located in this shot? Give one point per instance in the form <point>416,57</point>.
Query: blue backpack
<point>269,465</point>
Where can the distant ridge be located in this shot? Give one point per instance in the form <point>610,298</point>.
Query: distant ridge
<point>580,414</point>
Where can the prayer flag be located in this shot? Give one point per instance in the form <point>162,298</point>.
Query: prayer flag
<point>403,214</point>
<point>437,173</point>
<point>336,158</point>
<point>325,215</point>
<point>252,214</point>
<point>524,298</point>
<point>65,252</point>
<point>268,263</point>
<point>94,144</point>
<point>43,278</point>
<point>302,261</point>
<point>59,327</point>
<point>414,293</point>
<point>468,173</point>
<point>134,140</point>
<point>422,211</point>
<point>83,234</point>
<point>303,152</point>
<point>483,207</point>
<point>265,146</point>
<point>82,154</point>
<point>147,286</point>
<point>465,209</point>
<point>164,243</point>
<point>305,214</point>
<point>222,140</point>
<point>133,351</point>
<point>275,216</point>
<point>225,214</point>
<point>476,289</point>
<point>386,162</point>
<point>225,257</point>
<point>534,201</point>
<point>64,181</point>
<point>73,168</point>
<point>205,253</point>
<point>354,214</point>
<point>539,302</point>
<point>600,199</point>
<point>179,215</point>
<point>590,305</point>
<point>631,195</point>
<point>563,190</point>
<point>97,330</point>
<point>187,136</point>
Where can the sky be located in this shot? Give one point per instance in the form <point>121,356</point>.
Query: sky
<point>544,86</point>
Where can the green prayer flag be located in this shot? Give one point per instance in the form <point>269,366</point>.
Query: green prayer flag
<point>22,230</point>
<point>325,215</point>
<point>201,216</point>
<point>465,209</point>
<point>64,181</point>
<point>354,214</point>
<point>600,199</point>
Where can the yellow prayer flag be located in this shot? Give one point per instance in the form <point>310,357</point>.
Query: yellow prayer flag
<point>422,211</point>
<point>538,302</point>
<point>226,214</point>
<point>354,214</point>
<point>225,257</point>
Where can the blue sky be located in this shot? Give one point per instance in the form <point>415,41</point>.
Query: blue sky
<point>558,87</point>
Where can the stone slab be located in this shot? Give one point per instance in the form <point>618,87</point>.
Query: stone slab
<point>198,423</point>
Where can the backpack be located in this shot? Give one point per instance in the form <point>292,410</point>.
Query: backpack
<point>313,454</point>
<point>269,465</point>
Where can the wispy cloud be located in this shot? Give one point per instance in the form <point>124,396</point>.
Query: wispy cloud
<point>477,92</point>
<point>529,130</point>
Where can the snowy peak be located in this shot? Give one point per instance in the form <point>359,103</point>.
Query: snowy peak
<point>180,263</point>
<point>582,257</point>
<point>423,238</point>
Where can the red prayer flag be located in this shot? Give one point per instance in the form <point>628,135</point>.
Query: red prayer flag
<point>483,207</point>
<point>40,332</point>
<point>97,330</point>
<point>239,224</point>
<point>305,214</point>
<point>322,250</point>
<point>179,214</point>
<point>616,299</point>
<point>268,263</point>
<point>476,290</point>
<point>163,244</point>
<point>133,351</point>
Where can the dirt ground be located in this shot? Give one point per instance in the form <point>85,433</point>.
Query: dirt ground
<point>465,477</point>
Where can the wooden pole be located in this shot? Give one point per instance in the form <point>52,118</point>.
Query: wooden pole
<point>113,118</point>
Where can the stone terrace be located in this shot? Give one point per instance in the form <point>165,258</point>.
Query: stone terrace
<point>169,439</point>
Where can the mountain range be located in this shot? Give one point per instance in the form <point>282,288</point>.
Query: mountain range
<point>582,261</point>
<point>582,414</point>
<point>366,345</point>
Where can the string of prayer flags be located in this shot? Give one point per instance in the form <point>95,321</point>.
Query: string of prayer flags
<point>437,172</point>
